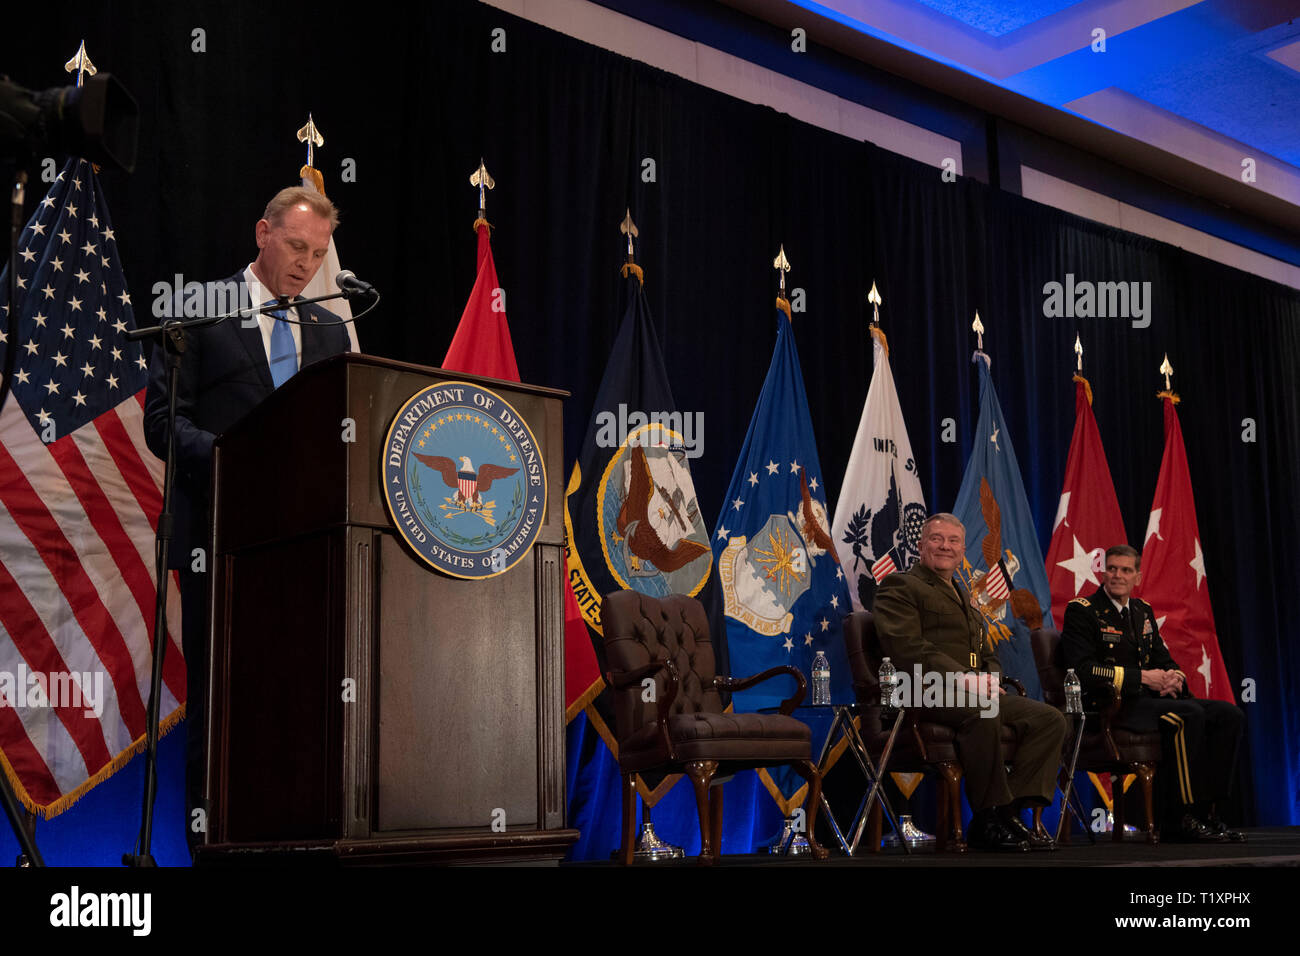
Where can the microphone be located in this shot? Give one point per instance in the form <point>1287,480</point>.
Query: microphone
<point>350,285</point>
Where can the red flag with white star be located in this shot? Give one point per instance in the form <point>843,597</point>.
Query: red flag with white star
<point>1087,519</point>
<point>1173,571</point>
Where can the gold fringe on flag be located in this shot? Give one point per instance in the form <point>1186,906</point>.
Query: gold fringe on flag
<point>631,268</point>
<point>1087,388</point>
<point>1172,396</point>
<point>482,222</point>
<point>784,306</point>
<point>52,810</point>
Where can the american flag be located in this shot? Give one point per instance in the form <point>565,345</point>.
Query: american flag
<point>884,566</point>
<point>995,583</point>
<point>79,498</point>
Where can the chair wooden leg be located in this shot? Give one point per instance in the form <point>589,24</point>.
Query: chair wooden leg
<point>1117,806</point>
<point>1146,777</point>
<point>701,773</point>
<point>812,803</point>
<point>628,845</point>
<point>715,819</point>
<point>949,822</point>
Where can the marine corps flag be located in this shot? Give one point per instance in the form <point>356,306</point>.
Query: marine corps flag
<point>1173,570</point>
<point>877,526</point>
<point>631,516</point>
<point>1003,570</point>
<point>1087,519</point>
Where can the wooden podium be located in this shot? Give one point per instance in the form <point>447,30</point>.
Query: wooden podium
<point>365,708</point>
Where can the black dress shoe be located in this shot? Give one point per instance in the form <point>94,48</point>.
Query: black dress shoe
<point>1191,830</point>
<point>1038,840</point>
<point>1218,826</point>
<point>988,833</point>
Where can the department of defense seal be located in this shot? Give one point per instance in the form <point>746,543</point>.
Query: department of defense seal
<point>464,480</point>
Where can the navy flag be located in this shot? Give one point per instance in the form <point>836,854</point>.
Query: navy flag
<point>631,513</point>
<point>1003,570</point>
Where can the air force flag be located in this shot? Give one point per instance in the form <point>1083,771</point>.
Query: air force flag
<point>783,592</point>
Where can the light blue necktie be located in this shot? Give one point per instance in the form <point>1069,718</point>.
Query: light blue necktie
<point>284,357</point>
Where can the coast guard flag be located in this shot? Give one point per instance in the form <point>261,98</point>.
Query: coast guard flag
<point>877,526</point>
<point>79,497</point>
<point>1087,518</point>
<point>1173,571</point>
<point>783,591</point>
<point>631,515</point>
<point>1004,569</point>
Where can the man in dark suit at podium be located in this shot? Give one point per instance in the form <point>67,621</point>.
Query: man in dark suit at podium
<point>226,371</point>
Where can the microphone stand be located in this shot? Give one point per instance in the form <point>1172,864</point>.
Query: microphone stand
<point>171,336</point>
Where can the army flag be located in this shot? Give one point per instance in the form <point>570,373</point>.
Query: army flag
<point>1003,570</point>
<point>877,526</point>
<point>632,519</point>
<point>1087,518</point>
<point>1173,570</point>
<point>322,282</point>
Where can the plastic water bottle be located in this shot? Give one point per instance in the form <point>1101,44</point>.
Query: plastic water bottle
<point>821,670</point>
<point>1073,693</point>
<point>888,683</point>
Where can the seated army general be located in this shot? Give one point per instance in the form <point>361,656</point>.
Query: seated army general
<point>1113,640</point>
<point>924,618</point>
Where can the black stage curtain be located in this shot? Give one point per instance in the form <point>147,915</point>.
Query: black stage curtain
<point>415,95</point>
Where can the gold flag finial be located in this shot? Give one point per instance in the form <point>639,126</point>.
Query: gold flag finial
<point>628,228</point>
<point>484,182</point>
<point>1078,350</point>
<point>310,135</point>
<point>782,265</point>
<point>1166,370</point>
<point>978,327</point>
<point>876,302</point>
<point>80,64</point>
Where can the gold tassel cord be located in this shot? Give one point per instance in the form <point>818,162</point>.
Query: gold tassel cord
<point>1087,387</point>
<point>632,269</point>
<point>879,335</point>
<point>1172,396</point>
<point>312,173</point>
<point>784,306</point>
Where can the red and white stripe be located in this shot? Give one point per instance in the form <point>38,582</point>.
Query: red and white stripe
<point>995,583</point>
<point>883,568</point>
<point>77,519</point>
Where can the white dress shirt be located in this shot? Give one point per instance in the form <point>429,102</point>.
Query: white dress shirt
<point>261,295</point>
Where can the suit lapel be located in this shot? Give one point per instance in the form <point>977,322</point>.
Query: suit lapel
<point>249,334</point>
<point>312,347</point>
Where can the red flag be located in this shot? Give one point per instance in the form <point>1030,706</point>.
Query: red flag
<point>481,345</point>
<point>1173,571</point>
<point>1087,519</point>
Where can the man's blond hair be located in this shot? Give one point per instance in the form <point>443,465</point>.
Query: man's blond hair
<point>292,196</point>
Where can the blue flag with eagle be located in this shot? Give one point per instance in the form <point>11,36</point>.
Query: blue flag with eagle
<point>783,592</point>
<point>1003,570</point>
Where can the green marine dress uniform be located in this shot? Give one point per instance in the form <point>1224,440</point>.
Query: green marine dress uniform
<point>923,619</point>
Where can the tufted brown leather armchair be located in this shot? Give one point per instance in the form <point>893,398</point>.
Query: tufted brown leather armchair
<point>681,727</point>
<point>1105,748</point>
